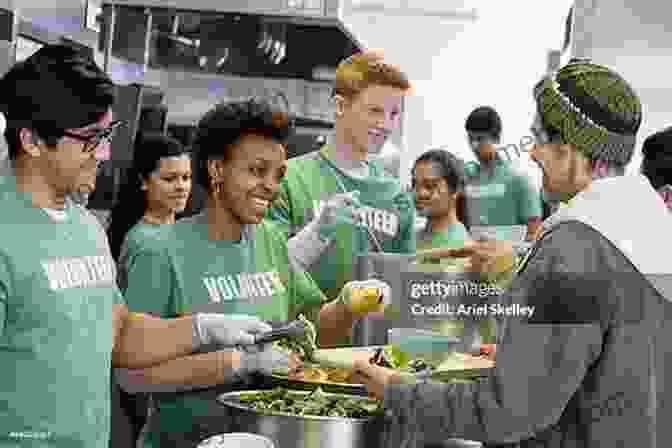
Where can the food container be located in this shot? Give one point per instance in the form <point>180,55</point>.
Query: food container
<point>286,430</point>
<point>425,344</point>
<point>237,440</point>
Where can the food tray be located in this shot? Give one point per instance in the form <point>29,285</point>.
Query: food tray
<point>478,367</point>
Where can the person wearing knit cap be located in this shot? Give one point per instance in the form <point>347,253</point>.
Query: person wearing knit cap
<point>657,163</point>
<point>586,367</point>
<point>498,199</point>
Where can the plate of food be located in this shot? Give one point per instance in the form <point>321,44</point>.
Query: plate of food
<point>332,369</point>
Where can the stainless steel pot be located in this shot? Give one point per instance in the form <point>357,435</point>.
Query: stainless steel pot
<point>291,431</point>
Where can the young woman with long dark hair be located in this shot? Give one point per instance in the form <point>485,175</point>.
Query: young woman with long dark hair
<point>157,187</point>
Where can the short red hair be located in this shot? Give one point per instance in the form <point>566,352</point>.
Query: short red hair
<point>364,69</point>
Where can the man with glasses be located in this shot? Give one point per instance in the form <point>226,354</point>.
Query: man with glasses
<point>498,199</point>
<point>63,321</point>
<point>87,183</point>
<point>551,201</point>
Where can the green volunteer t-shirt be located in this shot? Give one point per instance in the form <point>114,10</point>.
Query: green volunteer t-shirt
<point>57,291</point>
<point>134,241</point>
<point>453,237</point>
<point>388,212</point>
<point>505,198</point>
<point>181,271</point>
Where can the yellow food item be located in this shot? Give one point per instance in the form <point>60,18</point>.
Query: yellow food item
<point>324,375</point>
<point>503,264</point>
<point>366,299</point>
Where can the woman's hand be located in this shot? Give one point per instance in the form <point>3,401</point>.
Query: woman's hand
<point>492,257</point>
<point>374,377</point>
<point>486,256</point>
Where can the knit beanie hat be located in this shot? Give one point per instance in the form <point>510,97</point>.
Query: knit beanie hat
<point>592,108</point>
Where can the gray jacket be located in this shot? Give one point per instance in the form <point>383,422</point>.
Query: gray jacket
<point>590,375</point>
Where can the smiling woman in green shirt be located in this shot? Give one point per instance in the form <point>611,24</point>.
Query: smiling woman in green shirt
<point>157,187</point>
<point>227,260</point>
<point>438,180</point>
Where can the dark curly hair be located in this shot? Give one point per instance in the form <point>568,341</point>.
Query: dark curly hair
<point>225,124</point>
<point>34,92</point>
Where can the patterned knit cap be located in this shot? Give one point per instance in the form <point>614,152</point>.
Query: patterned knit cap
<point>592,108</point>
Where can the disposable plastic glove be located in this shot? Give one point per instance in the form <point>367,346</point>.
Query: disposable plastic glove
<point>222,330</point>
<point>340,209</point>
<point>363,297</point>
<point>267,360</point>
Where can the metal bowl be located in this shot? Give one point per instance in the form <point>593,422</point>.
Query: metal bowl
<point>289,430</point>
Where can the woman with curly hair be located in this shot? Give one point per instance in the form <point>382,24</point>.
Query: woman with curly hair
<point>228,260</point>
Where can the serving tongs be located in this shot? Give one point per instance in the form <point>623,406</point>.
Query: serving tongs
<point>296,329</point>
<point>445,252</point>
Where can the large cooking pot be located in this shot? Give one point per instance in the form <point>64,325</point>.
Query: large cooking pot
<point>292,431</point>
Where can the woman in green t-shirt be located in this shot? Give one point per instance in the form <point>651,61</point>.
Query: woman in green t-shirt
<point>228,260</point>
<point>438,181</point>
<point>157,187</point>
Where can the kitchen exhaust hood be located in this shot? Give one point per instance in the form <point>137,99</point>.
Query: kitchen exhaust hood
<point>297,39</point>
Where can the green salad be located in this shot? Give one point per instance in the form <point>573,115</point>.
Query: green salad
<point>316,403</point>
<point>304,346</point>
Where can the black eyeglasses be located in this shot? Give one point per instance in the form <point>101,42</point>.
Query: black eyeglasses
<point>103,136</point>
